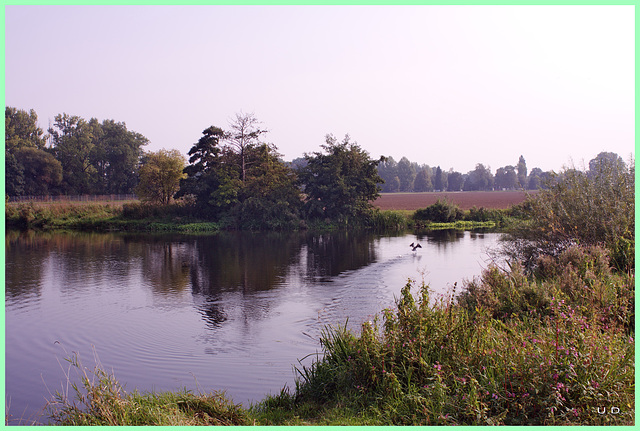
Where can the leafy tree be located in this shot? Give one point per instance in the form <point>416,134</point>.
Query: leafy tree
<point>422,182</point>
<point>438,182</point>
<point>13,175</point>
<point>160,176</point>
<point>42,173</point>
<point>267,197</point>
<point>21,129</point>
<point>605,161</point>
<point>455,181</point>
<point>73,146</point>
<point>341,182</point>
<point>388,171</point>
<point>406,174</point>
<point>479,179</point>
<point>116,155</point>
<point>522,172</point>
<point>506,178</point>
<point>534,180</point>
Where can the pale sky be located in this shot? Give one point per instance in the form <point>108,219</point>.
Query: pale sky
<point>442,85</point>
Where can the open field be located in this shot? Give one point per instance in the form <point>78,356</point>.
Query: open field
<point>465,200</point>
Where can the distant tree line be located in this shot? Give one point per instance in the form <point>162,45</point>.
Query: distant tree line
<point>232,175</point>
<point>407,176</point>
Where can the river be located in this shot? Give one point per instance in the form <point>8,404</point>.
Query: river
<point>230,311</point>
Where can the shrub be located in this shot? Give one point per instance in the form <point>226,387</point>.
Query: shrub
<point>442,211</point>
<point>594,208</point>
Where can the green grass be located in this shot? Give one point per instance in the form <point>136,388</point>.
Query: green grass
<point>105,217</point>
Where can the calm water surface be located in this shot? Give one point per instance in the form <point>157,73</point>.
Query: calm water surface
<point>229,311</point>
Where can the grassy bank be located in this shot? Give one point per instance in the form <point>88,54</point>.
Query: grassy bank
<point>178,217</point>
<point>553,347</point>
<point>104,217</point>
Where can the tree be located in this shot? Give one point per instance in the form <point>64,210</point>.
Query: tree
<point>202,177</point>
<point>455,181</point>
<point>479,179</point>
<point>534,180</point>
<point>160,176</point>
<point>73,146</point>
<point>267,197</point>
<point>422,182</point>
<point>244,134</point>
<point>506,178</point>
<point>605,161</point>
<point>388,171</point>
<point>42,173</point>
<point>407,174</point>
<point>116,155</point>
<point>439,180</point>
<point>522,172</point>
<point>21,129</point>
<point>341,182</point>
<point>14,175</point>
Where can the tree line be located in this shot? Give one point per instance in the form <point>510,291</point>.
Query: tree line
<point>407,176</point>
<point>75,157</point>
<point>232,175</point>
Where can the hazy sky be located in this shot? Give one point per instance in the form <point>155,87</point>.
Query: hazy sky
<point>443,85</point>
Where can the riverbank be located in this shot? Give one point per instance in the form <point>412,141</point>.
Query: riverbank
<point>177,217</point>
<point>556,348</point>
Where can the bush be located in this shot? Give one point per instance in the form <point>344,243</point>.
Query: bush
<point>442,211</point>
<point>439,363</point>
<point>585,208</point>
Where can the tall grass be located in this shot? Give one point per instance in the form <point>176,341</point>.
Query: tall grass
<point>99,399</point>
<point>511,351</point>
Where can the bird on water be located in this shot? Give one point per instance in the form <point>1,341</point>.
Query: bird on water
<point>414,247</point>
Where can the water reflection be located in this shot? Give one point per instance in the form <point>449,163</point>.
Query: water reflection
<point>234,309</point>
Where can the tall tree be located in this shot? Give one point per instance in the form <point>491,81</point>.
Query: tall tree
<point>455,181</point>
<point>116,156</point>
<point>479,179</point>
<point>160,176</point>
<point>73,146</point>
<point>21,129</point>
<point>388,171</point>
<point>407,174</point>
<point>341,182</point>
<point>522,172</point>
<point>438,180</point>
<point>244,133</point>
<point>422,182</point>
<point>506,178</point>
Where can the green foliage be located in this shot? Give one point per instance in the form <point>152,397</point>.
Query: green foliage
<point>160,176</point>
<point>243,184</point>
<point>340,183</point>
<point>21,130</point>
<point>41,172</point>
<point>438,362</point>
<point>587,208</point>
<point>442,211</point>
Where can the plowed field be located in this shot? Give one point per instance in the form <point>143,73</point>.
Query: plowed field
<point>465,200</point>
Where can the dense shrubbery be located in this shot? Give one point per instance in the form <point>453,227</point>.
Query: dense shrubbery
<point>511,351</point>
<point>596,207</point>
